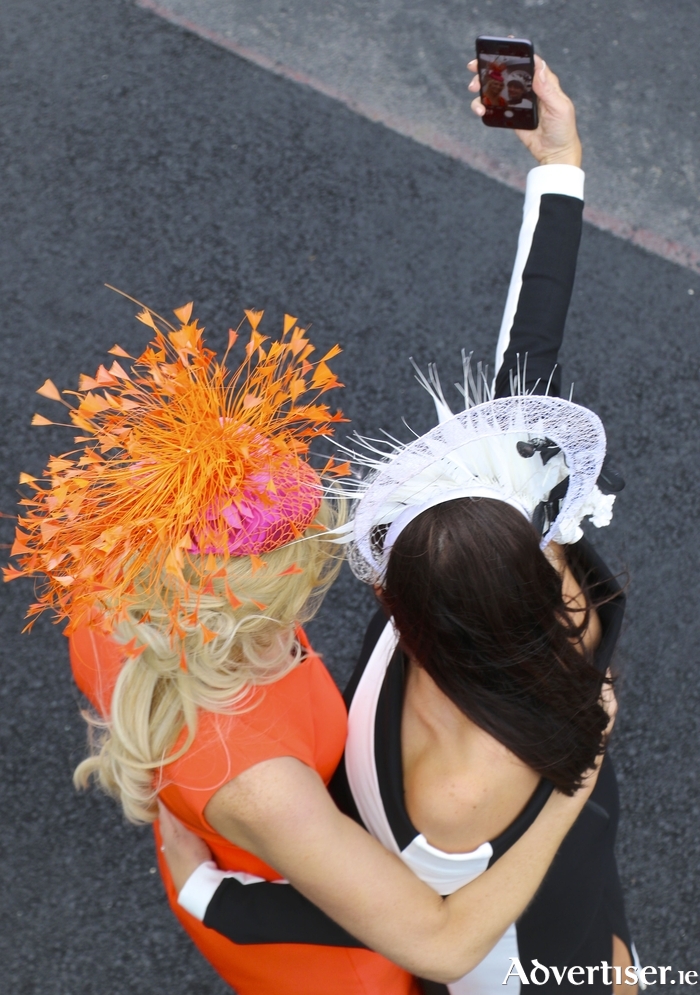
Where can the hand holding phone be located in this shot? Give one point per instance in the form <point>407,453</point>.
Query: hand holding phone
<point>555,140</point>
<point>506,72</point>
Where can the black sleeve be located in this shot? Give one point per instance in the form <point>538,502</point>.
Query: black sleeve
<point>265,912</point>
<point>533,340</point>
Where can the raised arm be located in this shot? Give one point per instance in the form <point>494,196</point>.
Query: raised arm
<point>543,278</point>
<point>545,264</point>
<point>281,810</point>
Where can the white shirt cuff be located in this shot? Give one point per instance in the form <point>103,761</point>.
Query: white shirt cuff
<point>557,178</point>
<point>198,890</point>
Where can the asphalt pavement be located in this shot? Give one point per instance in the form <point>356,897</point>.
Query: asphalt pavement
<point>136,153</point>
<point>631,67</point>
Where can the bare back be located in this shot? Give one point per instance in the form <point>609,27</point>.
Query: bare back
<point>462,787</point>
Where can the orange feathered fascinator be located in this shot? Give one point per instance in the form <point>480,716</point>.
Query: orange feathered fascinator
<point>180,461</point>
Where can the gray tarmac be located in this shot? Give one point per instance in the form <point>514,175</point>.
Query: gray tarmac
<point>136,153</point>
<point>631,67</point>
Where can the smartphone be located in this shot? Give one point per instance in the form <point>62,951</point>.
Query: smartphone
<point>506,71</point>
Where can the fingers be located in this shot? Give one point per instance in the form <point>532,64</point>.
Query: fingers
<point>543,76</point>
<point>171,829</point>
<point>546,83</point>
<point>475,86</point>
<point>608,700</point>
<point>473,66</point>
<point>183,851</point>
<point>165,818</point>
<point>609,703</point>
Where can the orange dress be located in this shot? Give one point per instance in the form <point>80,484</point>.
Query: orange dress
<point>303,716</point>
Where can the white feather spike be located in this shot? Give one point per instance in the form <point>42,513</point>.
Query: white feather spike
<point>432,385</point>
<point>397,442</point>
<point>416,435</point>
<point>476,389</point>
<point>475,453</point>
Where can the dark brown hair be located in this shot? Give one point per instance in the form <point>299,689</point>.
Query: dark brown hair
<point>480,607</point>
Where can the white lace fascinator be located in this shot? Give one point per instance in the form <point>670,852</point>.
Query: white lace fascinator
<point>542,455</point>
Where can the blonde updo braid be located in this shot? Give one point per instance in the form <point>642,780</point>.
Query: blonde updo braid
<point>211,665</point>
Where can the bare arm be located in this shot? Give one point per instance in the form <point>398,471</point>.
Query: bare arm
<point>280,811</point>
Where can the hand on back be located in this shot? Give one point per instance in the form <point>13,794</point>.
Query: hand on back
<point>183,850</point>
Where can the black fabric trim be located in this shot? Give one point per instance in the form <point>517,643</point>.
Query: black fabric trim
<point>579,904</point>
<point>374,630</point>
<point>339,790</point>
<point>387,751</point>
<point>272,913</point>
<point>388,760</point>
<point>433,987</point>
<point>547,284</point>
<point>339,786</point>
<point>511,835</point>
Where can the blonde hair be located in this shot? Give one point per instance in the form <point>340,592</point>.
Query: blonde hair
<point>212,665</point>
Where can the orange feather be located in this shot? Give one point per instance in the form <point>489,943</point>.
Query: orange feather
<point>294,569</point>
<point>256,563</point>
<point>176,435</point>
<point>49,389</point>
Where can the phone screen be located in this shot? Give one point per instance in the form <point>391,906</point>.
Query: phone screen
<point>506,70</point>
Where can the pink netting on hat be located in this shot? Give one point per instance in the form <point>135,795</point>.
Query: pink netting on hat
<point>275,507</point>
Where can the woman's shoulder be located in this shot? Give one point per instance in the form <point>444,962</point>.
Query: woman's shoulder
<point>301,715</point>
<point>96,660</point>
